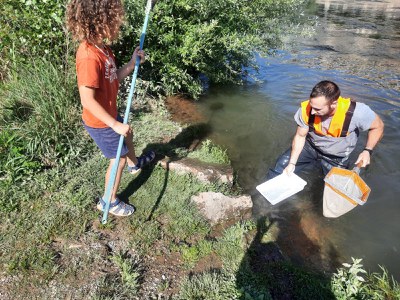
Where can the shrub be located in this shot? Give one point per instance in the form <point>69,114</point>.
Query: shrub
<point>188,40</point>
<point>31,28</point>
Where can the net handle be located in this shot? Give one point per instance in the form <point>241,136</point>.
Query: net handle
<point>113,174</point>
<point>358,167</point>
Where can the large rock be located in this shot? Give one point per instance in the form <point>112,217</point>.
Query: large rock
<point>205,172</point>
<point>216,207</point>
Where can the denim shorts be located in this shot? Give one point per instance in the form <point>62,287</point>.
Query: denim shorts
<point>107,140</point>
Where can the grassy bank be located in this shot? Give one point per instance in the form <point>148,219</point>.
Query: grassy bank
<point>54,247</point>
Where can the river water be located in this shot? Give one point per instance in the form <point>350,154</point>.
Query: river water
<point>357,45</point>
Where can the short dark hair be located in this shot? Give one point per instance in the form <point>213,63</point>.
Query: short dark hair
<point>326,88</point>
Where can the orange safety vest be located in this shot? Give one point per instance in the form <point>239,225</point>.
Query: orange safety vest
<point>340,121</point>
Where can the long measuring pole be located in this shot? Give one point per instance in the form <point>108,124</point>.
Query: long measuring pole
<point>114,168</point>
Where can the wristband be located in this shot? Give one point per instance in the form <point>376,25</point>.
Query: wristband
<point>368,150</point>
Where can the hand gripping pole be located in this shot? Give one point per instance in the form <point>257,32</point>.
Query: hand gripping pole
<point>114,168</point>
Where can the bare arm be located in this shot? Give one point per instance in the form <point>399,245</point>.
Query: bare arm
<point>89,102</point>
<point>375,134</point>
<point>297,146</point>
<point>128,68</point>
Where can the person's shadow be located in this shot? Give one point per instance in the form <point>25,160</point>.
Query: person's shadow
<point>265,271</point>
<point>189,138</point>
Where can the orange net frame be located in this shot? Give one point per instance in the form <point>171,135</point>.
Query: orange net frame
<point>348,184</point>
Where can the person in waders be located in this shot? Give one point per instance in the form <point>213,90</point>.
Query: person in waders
<point>328,127</point>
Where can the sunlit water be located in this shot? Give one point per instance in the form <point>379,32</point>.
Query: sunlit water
<point>357,45</point>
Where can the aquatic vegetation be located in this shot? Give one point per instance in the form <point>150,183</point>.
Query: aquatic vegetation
<point>353,282</point>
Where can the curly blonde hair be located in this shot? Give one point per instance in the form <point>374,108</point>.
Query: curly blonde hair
<point>94,20</point>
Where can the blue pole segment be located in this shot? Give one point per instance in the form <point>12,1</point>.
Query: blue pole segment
<point>114,168</point>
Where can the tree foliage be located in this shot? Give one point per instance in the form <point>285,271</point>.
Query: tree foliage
<point>31,28</point>
<point>188,41</point>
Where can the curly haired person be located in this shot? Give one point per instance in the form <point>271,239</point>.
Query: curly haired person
<point>95,24</point>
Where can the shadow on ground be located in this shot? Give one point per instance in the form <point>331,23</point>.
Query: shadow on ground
<point>188,139</point>
<point>266,272</point>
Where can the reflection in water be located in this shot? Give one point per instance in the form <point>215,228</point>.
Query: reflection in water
<point>357,46</point>
<point>365,37</point>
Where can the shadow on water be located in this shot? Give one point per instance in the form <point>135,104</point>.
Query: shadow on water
<point>304,234</point>
<point>189,138</point>
<point>265,271</point>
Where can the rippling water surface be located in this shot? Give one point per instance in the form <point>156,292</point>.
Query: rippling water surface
<point>357,45</point>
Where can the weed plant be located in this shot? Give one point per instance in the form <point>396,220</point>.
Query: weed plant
<point>348,281</point>
<point>190,255</point>
<point>170,195</point>
<point>130,272</point>
<point>225,283</point>
<point>59,206</point>
<point>209,286</point>
<point>45,211</point>
<point>114,286</point>
<point>230,247</point>
<point>353,282</point>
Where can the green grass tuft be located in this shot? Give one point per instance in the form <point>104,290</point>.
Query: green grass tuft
<point>210,153</point>
<point>209,286</point>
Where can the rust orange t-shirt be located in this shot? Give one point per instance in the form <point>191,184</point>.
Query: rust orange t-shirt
<point>96,68</point>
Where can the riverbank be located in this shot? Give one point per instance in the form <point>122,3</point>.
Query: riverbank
<point>54,247</point>
<point>356,46</point>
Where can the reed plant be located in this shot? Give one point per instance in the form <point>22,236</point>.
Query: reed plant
<point>40,107</point>
<point>382,286</point>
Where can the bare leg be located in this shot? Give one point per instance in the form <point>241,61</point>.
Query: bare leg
<point>131,156</point>
<point>121,166</point>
